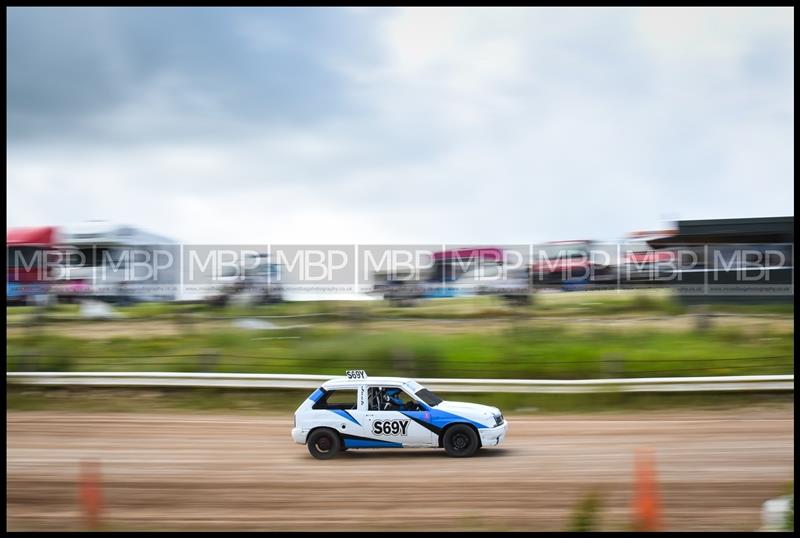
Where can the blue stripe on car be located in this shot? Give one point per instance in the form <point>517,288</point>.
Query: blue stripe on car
<point>316,395</point>
<point>345,414</point>
<point>440,419</point>
<point>366,443</point>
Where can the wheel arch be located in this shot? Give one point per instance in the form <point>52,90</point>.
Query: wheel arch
<point>317,428</point>
<point>451,425</point>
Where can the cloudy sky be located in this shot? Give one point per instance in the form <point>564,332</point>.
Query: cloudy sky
<point>398,126</point>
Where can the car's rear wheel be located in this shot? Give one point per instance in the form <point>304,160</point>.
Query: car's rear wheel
<point>324,444</point>
<point>461,441</point>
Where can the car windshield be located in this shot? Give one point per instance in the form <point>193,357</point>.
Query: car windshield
<point>428,397</point>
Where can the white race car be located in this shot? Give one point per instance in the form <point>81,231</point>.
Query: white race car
<point>391,412</point>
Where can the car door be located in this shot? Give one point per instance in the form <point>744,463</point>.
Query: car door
<point>395,426</point>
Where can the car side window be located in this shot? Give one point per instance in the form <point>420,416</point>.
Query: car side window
<point>337,399</point>
<point>390,399</point>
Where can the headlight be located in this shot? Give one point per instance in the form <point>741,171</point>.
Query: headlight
<point>498,419</point>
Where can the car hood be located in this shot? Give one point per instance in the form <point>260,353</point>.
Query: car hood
<point>469,410</point>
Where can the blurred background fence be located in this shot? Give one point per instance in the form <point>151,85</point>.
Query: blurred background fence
<point>289,381</point>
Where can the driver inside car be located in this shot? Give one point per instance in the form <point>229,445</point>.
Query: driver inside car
<point>391,400</point>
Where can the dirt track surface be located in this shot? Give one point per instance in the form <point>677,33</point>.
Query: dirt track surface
<point>191,471</point>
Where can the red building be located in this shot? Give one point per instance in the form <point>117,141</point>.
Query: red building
<point>26,274</point>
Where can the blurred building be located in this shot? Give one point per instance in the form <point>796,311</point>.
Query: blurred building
<point>640,263</point>
<point>26,270</point>
<point>457,272</point>
<point>573,264</point>
<point>733,260</point>
<point>96,259</point>
<point>112,261</point>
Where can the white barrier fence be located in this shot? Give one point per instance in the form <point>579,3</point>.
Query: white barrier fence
<point>299,381</point>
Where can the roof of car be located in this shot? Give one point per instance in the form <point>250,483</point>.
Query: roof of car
<point>340,382</point>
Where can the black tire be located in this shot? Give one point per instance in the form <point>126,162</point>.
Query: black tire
<point>461,441</point>
<point>324,444</point>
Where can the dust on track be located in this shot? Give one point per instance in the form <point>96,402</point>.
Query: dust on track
<point>216,472</point>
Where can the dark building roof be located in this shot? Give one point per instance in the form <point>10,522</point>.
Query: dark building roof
<point>748,230</point>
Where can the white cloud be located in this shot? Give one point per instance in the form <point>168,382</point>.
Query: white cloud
<point>707,35</point>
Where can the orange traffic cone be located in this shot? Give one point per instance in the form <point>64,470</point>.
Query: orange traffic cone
<point>90,492</point>
<point>646,505</point>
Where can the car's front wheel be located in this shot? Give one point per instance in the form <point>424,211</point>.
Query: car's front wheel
<point>324,444</point>
<point>461,441</point>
